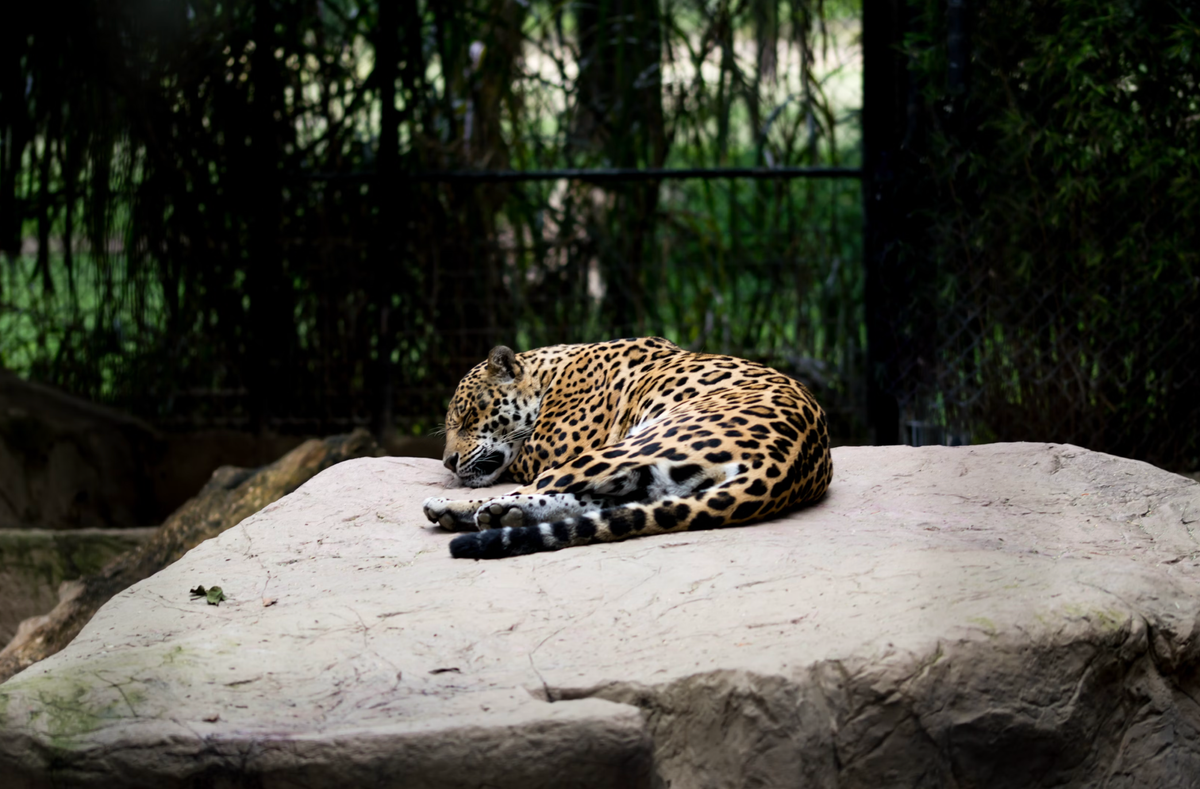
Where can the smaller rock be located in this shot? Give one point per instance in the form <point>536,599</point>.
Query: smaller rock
<point>35,562</point>
<point>232,495</point>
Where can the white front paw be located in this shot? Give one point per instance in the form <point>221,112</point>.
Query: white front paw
<point>437,510</point>
<point>451,515</point>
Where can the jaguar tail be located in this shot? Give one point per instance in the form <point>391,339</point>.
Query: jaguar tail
<point>672,514</point>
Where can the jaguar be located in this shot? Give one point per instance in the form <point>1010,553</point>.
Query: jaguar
<point>624,438</point>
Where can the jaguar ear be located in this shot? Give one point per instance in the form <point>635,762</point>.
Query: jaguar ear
<point>502,365</point>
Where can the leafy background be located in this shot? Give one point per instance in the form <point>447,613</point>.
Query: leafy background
<point>217,213</point>
<point>1057,226</point>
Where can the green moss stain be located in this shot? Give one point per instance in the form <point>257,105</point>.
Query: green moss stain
<point>1109,620</point>
<point>62,708</point>
<point>68,713</point>
<point>987,625</point>
<point>1106,620</point>
<point>65,706</point>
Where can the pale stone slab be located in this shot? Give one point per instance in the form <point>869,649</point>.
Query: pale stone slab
<point>1005,615</point>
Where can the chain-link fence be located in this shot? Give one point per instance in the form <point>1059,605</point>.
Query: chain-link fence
<point>275,215</point>
<point>764,268</point>
<point>1049,276</point>
<point>303,218</point>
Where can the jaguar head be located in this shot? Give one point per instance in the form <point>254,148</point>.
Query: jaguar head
<point>490,416</point>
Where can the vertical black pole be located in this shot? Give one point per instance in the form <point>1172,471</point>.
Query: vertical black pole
<point>385,260</point>
<point>884,122</point>
<point>271,343</point>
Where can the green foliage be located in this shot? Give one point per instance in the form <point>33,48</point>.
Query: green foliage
<point>214,215</point>
<point>1059,223</point>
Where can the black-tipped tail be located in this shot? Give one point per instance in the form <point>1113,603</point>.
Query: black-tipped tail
<point>499,543</point>
<point>520,540</point>
<point>618,523</point>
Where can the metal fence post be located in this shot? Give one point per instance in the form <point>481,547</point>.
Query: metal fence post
<point>884,122</point>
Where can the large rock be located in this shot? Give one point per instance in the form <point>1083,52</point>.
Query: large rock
<point>1012,615</point>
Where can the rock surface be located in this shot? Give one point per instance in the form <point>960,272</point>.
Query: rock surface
<point>35,562</point>
<point>1012,615</point>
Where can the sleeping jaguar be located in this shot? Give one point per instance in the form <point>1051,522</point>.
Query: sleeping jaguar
<point>618,439</point>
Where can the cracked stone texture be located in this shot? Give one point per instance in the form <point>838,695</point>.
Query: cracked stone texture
<point>1012,615</point>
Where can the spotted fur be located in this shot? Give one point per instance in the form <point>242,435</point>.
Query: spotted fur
<point>623,438</point>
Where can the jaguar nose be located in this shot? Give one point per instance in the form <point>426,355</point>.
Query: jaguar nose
<point>451,462</point>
